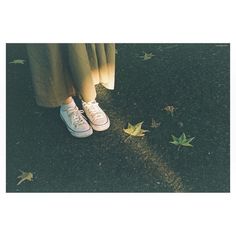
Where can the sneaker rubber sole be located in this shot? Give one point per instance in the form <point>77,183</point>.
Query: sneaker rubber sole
<point>102,127</point>
<point>81,134</point>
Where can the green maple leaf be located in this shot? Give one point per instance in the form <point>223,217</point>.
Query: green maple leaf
<point>182,141</point>
<point>17,61</point>
<point>135,130</point>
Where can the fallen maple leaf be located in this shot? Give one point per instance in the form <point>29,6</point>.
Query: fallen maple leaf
<point>17,61</point>
<point>135,130</point>
<point>170,109</point>
<point>182,141</point>
<point>25,176</point>
<point>155,124</point>
<point>147,56</point>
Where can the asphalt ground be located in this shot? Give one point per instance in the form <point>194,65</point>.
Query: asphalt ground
<point>193,78</point>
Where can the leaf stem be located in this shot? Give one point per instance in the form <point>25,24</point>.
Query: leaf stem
<point>127,138</point>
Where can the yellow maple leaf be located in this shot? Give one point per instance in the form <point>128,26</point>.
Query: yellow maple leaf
<point>135,130</point>
<point>25,176</point>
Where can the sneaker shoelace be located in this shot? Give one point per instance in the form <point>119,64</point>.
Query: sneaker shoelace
<point>94,110</point>
<point>76,116</point>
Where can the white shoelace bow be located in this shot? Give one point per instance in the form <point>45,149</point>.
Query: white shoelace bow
<point>94,110</point>
<point>76,116</point>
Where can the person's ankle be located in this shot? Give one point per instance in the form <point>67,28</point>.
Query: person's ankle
<point>65,106</point>
<point>67,101</point>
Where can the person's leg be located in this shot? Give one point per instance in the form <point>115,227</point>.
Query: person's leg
<point>53,85</point>
<point>74,120</point>
<point>82,74</point>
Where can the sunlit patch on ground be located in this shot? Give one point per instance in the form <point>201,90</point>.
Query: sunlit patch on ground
<point>151,160</point>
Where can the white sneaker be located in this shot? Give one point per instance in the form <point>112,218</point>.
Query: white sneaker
<point>97,117</point>
<point>75,122</point>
